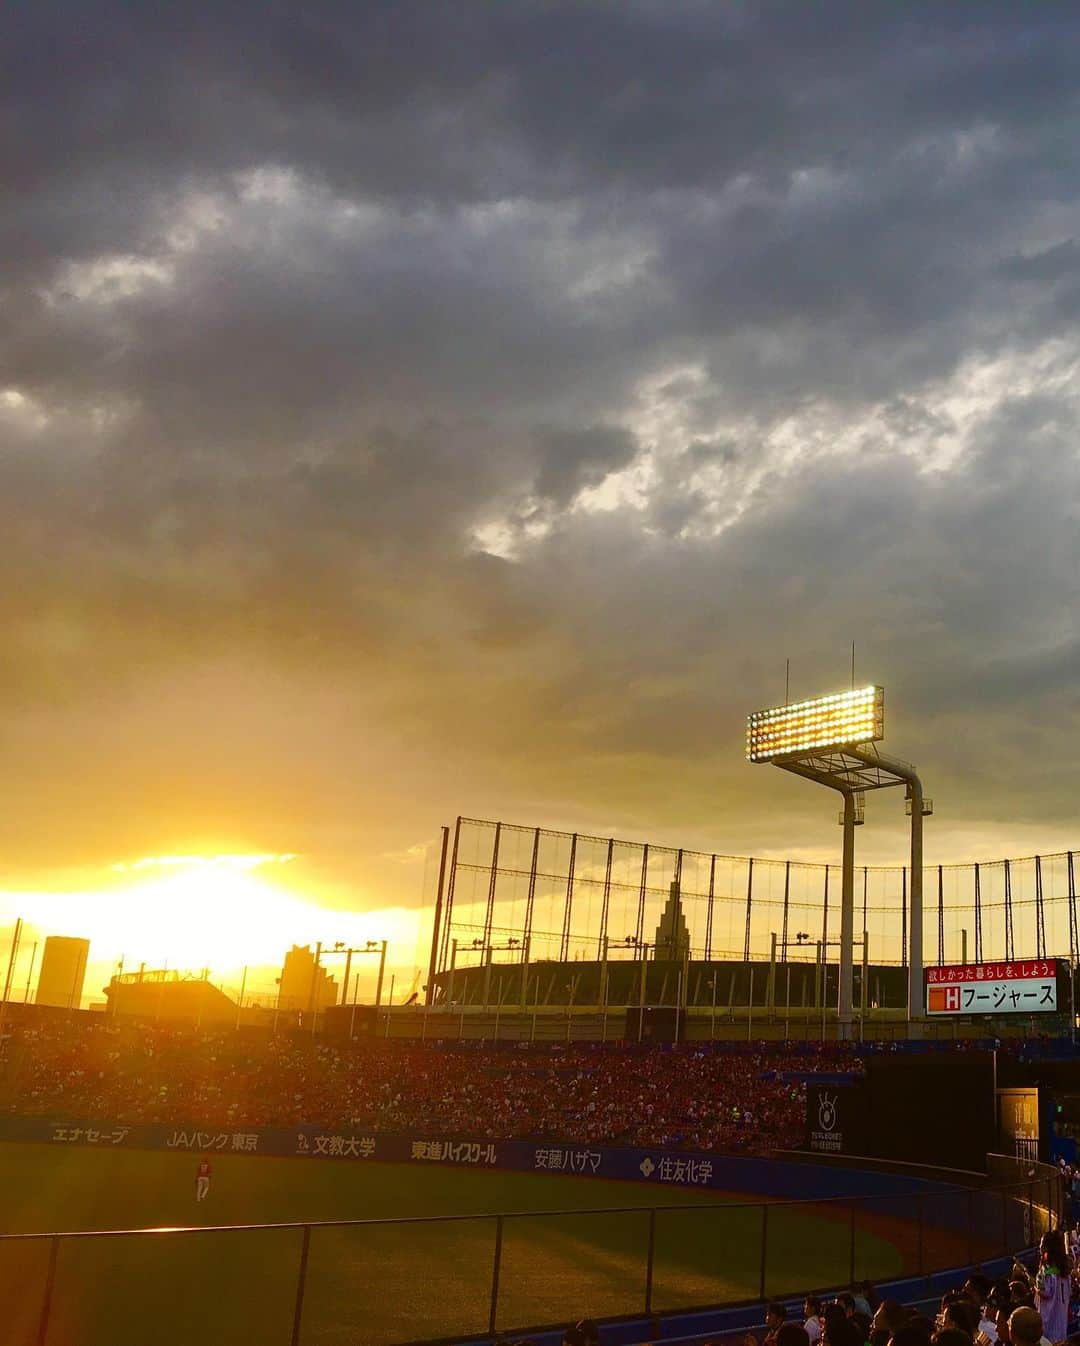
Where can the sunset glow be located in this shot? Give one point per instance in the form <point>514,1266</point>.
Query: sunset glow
<point>220,912</point>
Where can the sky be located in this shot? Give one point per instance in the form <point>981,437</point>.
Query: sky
<point>414,410</point>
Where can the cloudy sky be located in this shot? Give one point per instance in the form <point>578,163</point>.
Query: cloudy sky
<point>419,409</point>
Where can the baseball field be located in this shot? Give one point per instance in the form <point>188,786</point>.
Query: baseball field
<point>568,1246</point>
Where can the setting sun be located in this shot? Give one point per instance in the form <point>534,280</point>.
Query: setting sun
<point>189,912</point>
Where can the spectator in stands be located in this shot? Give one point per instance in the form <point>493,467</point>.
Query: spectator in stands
<point>1053,1285</point>
<point>590,1331</point>
<point>839,1329</point>
<point>774,1320</point>
<point>950,1336</point>
<point>832,1314</point>
<point>917,1331</point>
<point>1026,1327</point>
<point>998,1307</point>
<point>889,1315</point>
<point>988,1324</point>
<point>791,1334</point>
<point>573,1336</point>
<point>963,1316</point>
<point>812,1313</point>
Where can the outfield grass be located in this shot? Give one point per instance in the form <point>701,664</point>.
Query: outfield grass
<point>375,1285</point>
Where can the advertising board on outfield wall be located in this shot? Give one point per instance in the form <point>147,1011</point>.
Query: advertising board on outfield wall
<point>651,1166</point>
<point>1019,987</point>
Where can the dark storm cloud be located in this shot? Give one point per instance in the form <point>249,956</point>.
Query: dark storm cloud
<point>546,374</point>
<point>575,459</point>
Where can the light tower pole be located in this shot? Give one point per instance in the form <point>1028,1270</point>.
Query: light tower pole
<point>372,946</point>
<point>920,808</point>
<point>832,740</point>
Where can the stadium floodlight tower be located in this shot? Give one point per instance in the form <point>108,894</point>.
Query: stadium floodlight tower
<point>833,740</point>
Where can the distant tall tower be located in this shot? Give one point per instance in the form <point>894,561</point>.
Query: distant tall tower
<point>63,970</point>
<point>672,939</point>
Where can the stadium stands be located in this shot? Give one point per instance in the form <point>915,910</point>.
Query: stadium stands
<point>746,1101</point>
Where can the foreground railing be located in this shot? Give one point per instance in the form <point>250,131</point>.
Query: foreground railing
<point>384,1282</point>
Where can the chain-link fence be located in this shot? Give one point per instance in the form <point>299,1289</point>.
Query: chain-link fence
<point>534,894</point>
<point>393,1281</point>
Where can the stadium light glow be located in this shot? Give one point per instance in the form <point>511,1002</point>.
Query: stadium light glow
<point>857,716</point>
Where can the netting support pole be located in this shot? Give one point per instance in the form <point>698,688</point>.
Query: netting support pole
<point>50,1282</point>
<point>429,992</point>
<point>301,1285</point>
<point>601,944</point>
<point>903,916</point>
<point>1008,913</point>
<point>640,932</point>
<point>978,915</point>
<point>495,1268</point>
<point>865,885</point>
<point>651,1260</point>
<point>448,915</point>
<point>530,898</point>
<point>787,898</point>
<point>1040,911</point>
<point>749,907</point>
<point>489,909</point>
<point>568,906</point>
<point>709,910</point>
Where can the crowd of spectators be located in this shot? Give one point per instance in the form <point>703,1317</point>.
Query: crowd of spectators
<point>696,1098</point>
<point>1020,1308</point>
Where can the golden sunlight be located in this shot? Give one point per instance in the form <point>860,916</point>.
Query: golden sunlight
<point>221,912</point>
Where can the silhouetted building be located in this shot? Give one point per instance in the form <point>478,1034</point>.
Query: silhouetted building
<point>305,984</point>
<point>165,994</point>
<point>672,940</point>
<point>63,971</point>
